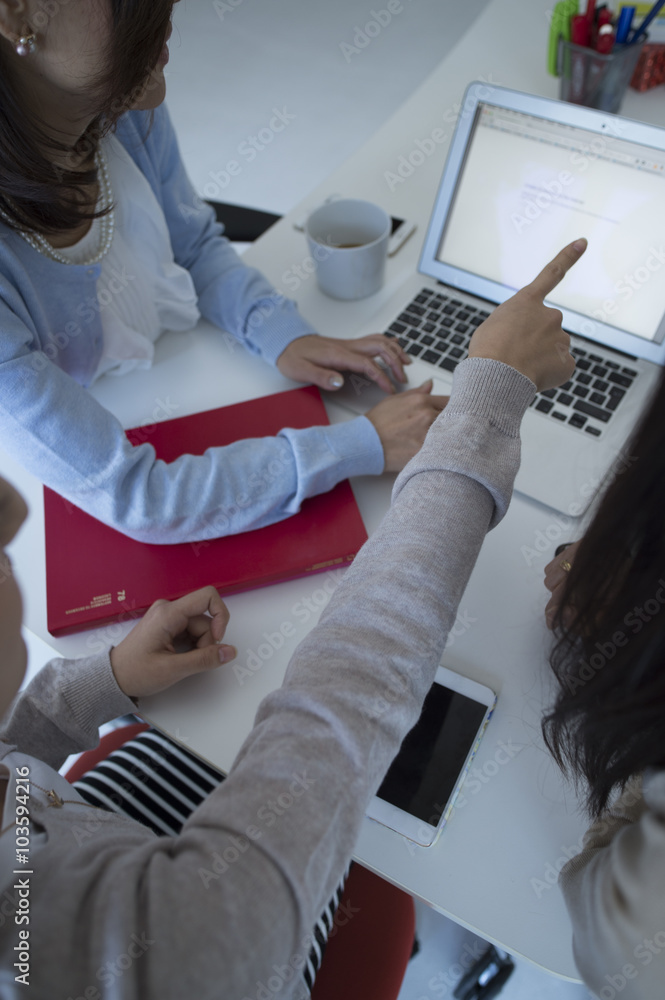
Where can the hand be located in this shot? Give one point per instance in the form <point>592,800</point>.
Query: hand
<point>555,578</point>
<point>322,359</point>
<point>146,660</point>
<point>526,334</point>
<point>403,421</point>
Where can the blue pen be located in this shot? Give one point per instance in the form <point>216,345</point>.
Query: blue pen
<point>623,25</point>
<point>638,32</point>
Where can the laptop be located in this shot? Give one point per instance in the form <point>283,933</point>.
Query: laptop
<point>526,175</point>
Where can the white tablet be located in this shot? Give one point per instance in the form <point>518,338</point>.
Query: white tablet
<point>418,792</point>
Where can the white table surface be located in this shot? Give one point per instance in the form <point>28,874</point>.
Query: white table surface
<point>494,867</point>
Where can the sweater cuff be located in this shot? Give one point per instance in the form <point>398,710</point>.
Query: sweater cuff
<point>271,332</point>
<point>358,447</point>
<point>487,450</point>
<point>94,696</point>
<point>493,390</point>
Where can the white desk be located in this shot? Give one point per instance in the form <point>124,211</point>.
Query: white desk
<point>494,867</point>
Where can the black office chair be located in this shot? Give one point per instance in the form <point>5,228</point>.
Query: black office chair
<point>486,978</point>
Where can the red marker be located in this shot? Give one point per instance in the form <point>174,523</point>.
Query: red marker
<point>605,39</point>
<point>580,30</point>
<point>604,16</point>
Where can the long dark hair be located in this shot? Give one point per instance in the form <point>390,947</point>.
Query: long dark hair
<point>608,721</point>
<point>35,193</point>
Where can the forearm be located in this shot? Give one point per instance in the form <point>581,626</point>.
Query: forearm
<point>60,433</point>
<point>61,710</point>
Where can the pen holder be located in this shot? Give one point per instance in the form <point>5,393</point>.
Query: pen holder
<point>595,80</point>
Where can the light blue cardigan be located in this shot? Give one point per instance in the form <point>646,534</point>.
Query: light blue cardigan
<point>50,347</point>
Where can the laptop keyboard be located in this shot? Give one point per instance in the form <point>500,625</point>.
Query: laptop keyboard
<point>437,328</point>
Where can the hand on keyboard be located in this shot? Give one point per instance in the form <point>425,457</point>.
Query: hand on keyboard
<point>403,421</point>
<point>322,359</point>
<point>525,333</point>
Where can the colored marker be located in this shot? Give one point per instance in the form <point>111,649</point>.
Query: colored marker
<point>638,32</point>
<point>624,24</point>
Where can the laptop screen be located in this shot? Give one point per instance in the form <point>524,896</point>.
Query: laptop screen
<point>528,185</point>
<point>537,185</point>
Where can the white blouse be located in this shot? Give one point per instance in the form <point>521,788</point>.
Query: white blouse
<point>141,291</point>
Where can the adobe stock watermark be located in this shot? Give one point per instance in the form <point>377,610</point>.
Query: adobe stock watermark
<point>634,620</point>
<point>231,514</point>
<point>110,971</point>
<point>88,310</point>
<point>162,409</point>
<point>224,7</point>
<point>115,796</point>
<point>445,981</point>
<point>268,306</point>
<point>363,35</point>
<point>631,794</point>
<point>539,198</point>
<point>273,985</point>
<point>476,778</point>
<point>247,151</point>
<point>562,526</point>
<point>424,147</point>
<point>264,310</point>
<point>302,610</point>
<point>431,645</point>
<point>302,271</point>
<point>87,144</point>
<point>425,648</point>
<point>266,816</point>
<point>260,314</point>
<point>552,869</point>
<point>292,279</point>
<point>644,952</point>
<point>631,282</point>
<point>46,10</point>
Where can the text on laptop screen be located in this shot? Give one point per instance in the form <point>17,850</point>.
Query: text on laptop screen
<point>530,186</point>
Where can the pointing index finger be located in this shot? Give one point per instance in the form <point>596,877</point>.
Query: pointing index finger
<point>552,273</point>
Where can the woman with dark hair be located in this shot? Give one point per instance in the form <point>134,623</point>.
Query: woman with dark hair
<point>607,726</point>
<point>103,246</point>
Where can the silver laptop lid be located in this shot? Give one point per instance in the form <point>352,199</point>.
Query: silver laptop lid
<point>525,176</point>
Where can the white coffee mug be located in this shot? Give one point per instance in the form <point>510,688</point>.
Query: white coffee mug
<point>348,241</point>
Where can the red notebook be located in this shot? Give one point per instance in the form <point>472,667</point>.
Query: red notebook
<point>95,575</point>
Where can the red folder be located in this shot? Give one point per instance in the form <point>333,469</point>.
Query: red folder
<point>96,575</point>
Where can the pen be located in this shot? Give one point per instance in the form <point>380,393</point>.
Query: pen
<point>601,16</point>
<point>624,24</point>
<point>638,32</point>
<point>605,39</point>
<point>580,30</point>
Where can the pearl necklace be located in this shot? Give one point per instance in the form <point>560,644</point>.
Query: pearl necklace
<point>107,222</point>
